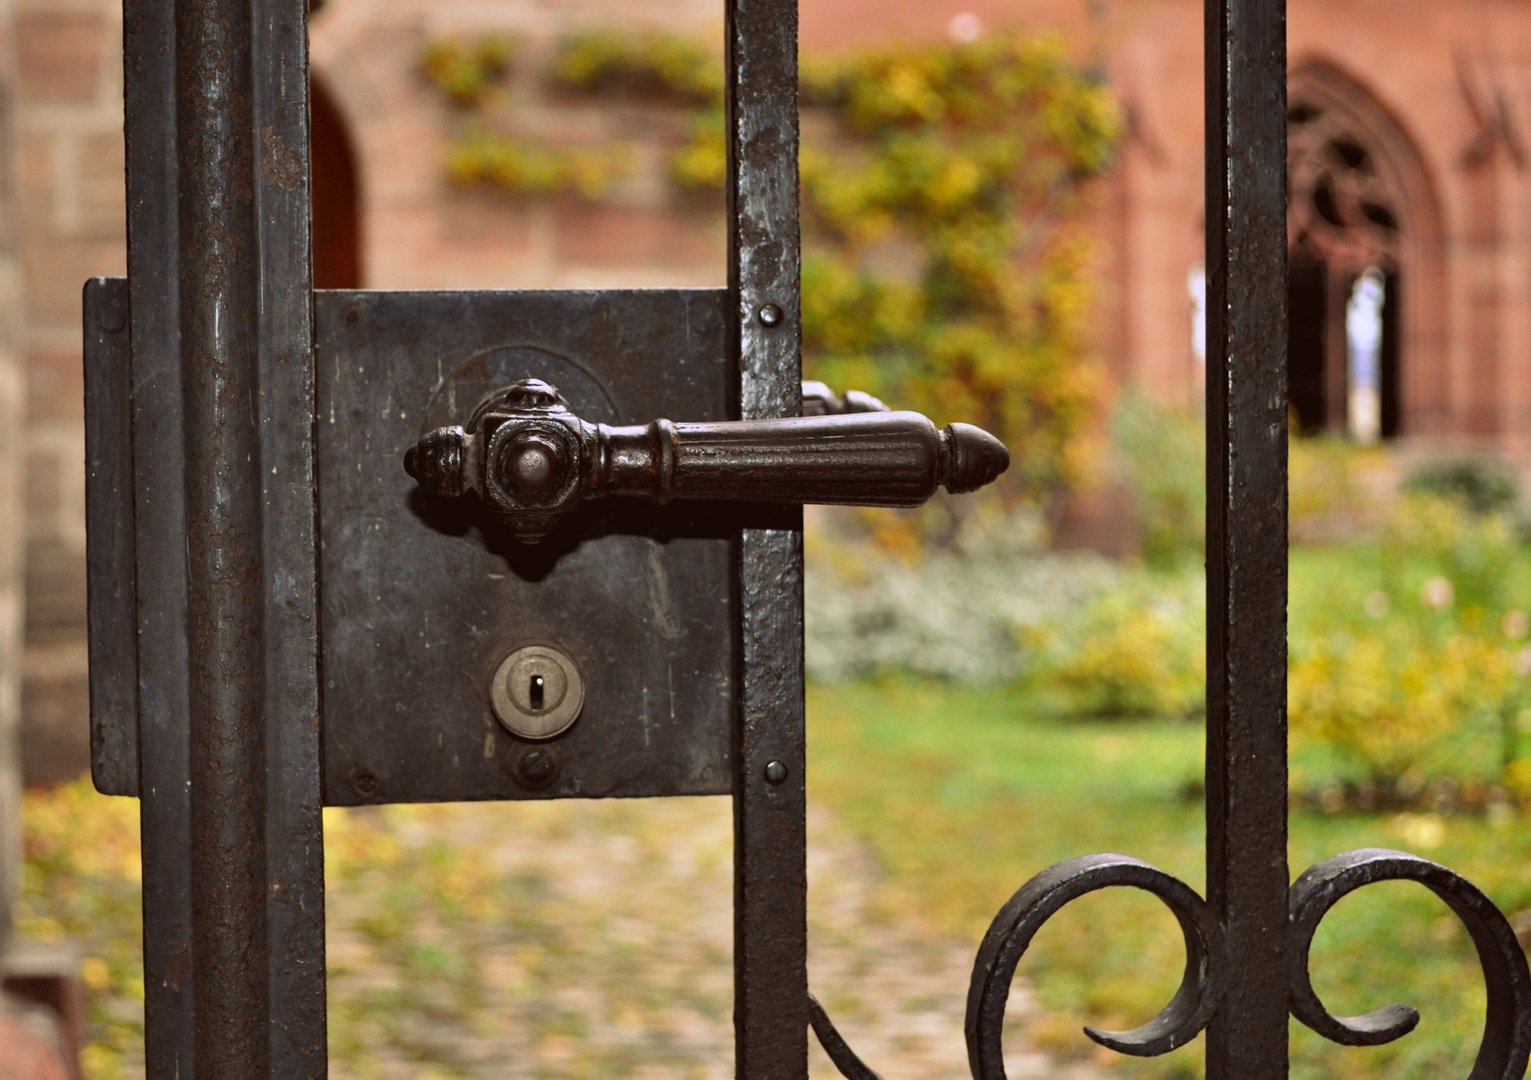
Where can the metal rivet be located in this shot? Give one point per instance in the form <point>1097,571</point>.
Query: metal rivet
<point>365,784</point>
<point>769,315</point>
<point>537,766</point>
<point>775,772</point>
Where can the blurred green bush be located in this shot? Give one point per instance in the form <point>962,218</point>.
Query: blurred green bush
<point>1138,651</point>
<point>1482,484</point>
<point>1409,656</point>
<point>1161,453</point>
<point>1337,491</point>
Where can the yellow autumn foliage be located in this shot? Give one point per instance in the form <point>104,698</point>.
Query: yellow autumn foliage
<point>968,162</point>
<point>1389,698</point>
<point>1392,670</point>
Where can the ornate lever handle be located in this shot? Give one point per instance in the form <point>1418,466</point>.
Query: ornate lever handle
<point>531,460</point>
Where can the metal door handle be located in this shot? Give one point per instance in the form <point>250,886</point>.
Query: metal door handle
<point>531,460</point>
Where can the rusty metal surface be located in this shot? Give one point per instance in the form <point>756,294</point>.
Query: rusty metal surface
<point>764,268</point>
<point>845,1059</point>
<point>525,457</point>
<point>423,598</point>
<point>110,575</point>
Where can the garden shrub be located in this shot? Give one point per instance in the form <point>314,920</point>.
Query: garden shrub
<point>1390,697</point>
<point>973,611</point>
<point>1482,484</point>
<point>1437,537</point>
<point>1101,639</point>
<point>1336,490</point>
<point>1138,651</point>
<point>1390,668</point>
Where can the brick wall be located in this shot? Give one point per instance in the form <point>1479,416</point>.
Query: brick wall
<point>69,166</point>
<point>12,448</point>
<point>420,232</point>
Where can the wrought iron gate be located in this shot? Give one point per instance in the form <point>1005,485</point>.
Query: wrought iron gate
<point>282,619</point>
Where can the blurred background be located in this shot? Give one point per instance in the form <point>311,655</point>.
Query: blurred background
<point>1003,224</point>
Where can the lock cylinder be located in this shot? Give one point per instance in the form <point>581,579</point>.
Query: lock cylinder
<point>537,692</point>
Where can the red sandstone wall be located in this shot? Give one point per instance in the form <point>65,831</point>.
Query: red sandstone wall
<point>1452,75</point>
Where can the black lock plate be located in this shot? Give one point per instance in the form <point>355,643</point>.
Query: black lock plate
<point>421,599</point>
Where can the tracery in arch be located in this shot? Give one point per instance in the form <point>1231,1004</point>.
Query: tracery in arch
<point>1341,207</point>
<point>1346,242</point>
<point>1363,196</point>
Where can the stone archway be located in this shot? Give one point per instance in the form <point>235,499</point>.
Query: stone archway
<point>1361,204</point>
<point>333,194</point>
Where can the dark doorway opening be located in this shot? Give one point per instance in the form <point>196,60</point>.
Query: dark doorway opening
<point>1307,298</point>
<point>1391,388</point>
<point>336,217</point>
<point>1317,347</point>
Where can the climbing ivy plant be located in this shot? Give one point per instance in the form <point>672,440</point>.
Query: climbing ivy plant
<point>946,264</point>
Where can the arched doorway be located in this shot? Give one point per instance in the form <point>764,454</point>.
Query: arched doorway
<point>1361,231</point>
<point>333,192</point>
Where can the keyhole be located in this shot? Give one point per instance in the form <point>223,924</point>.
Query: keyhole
<point>536,692</point>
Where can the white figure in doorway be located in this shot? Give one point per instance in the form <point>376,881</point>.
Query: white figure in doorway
<point>1363,340</point>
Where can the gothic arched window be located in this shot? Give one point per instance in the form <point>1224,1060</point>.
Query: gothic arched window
<point>1344,234</point>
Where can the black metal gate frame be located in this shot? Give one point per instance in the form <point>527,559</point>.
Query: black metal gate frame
<point>215,647</point>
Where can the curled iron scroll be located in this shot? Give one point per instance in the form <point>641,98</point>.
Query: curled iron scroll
<point>1506,1042</point>
<point>1011,933</point>
<point>851,1067</point>
<point>1503,1054</point>
<point>1019,920</point>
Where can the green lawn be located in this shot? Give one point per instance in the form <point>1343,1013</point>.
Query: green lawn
<point>963,794</point>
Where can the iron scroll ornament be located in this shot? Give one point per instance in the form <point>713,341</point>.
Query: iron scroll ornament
<point>531,461</point>
<point>1506,1044</point>
<point>1502,1055</point>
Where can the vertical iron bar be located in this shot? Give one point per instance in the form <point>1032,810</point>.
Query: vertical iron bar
<point>1247,874</point>
<point>770,835</point>
<point>224,507</point>
<point>218,273</point>
<point>294,827</point>
<point>160,529</point>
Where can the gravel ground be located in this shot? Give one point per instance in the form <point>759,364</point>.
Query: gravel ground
<point>593,939</point>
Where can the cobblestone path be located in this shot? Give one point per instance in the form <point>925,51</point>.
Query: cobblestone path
<point>578,940</point>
